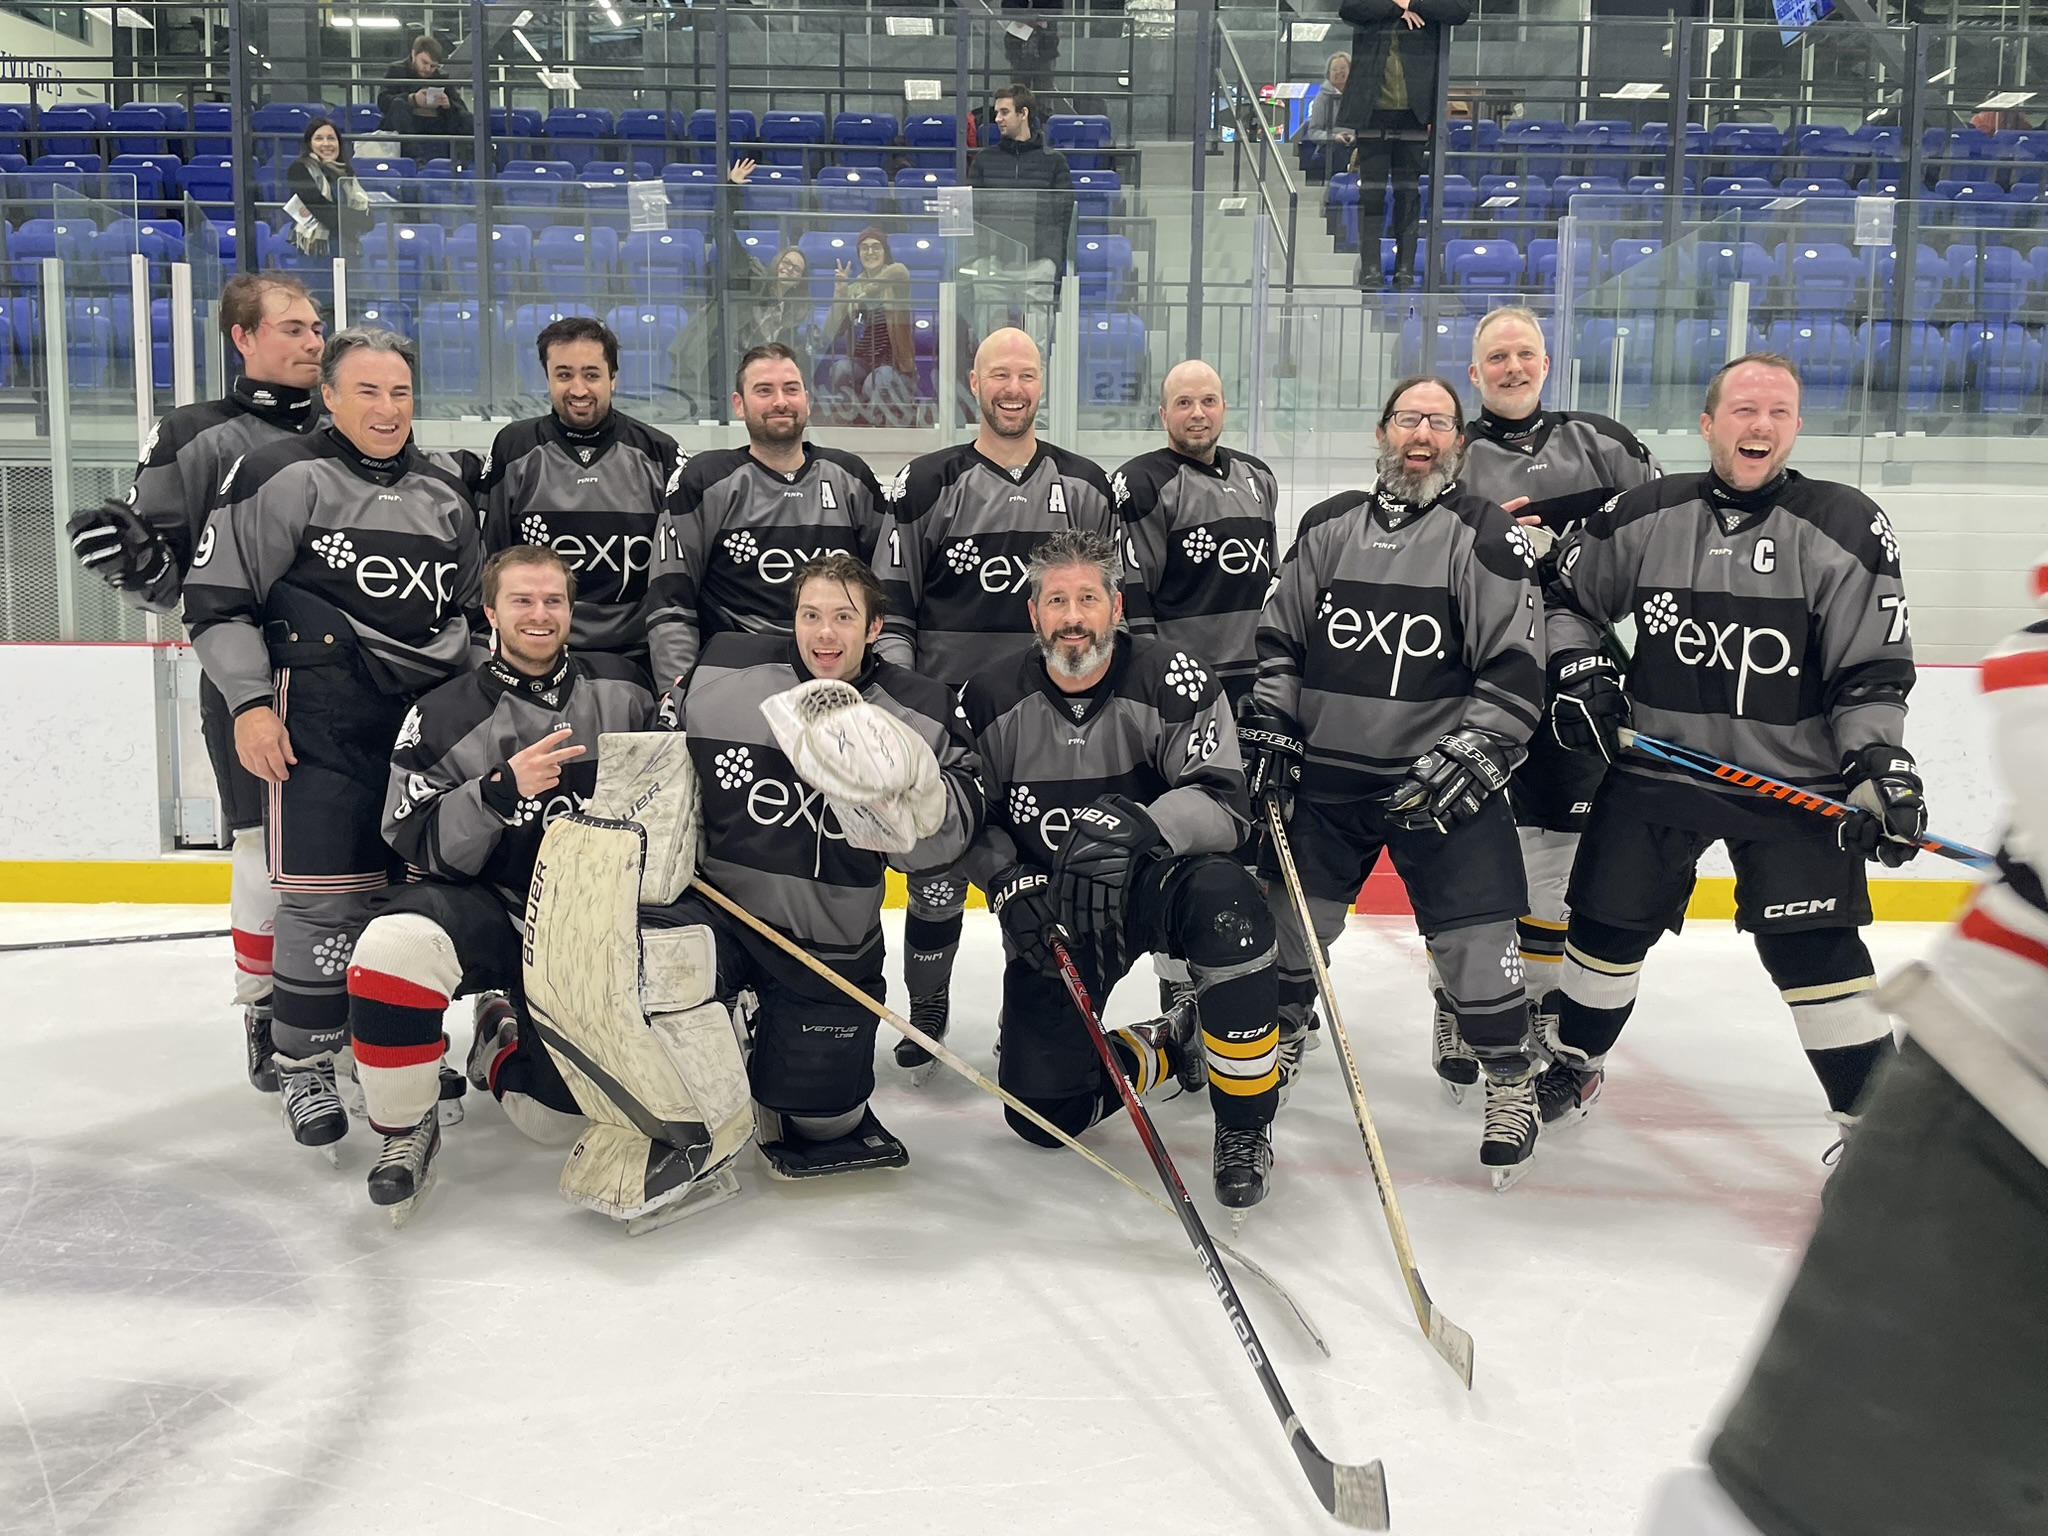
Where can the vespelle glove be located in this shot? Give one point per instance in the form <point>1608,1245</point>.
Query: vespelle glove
<point>1450,783</point>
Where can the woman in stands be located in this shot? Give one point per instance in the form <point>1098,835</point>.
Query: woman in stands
<point>324,179</point>
<point>875,381</point>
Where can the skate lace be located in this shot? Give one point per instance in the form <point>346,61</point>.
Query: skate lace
<point>309,1091</point>
<point>929,1014</point>
<point>1510,1109</point>
<point>402,1151</point>
<point>1239,1147</point>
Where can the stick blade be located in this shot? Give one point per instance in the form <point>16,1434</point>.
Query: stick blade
<point>1359,1496</point>
<point>1453,1343</point>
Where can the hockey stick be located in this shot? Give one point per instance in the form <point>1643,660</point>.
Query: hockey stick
<point>1711,767</point>
<point>1355,1495</point>
<point>1445,1336</point>
<point>123,938</point>
<point>960,1065</point>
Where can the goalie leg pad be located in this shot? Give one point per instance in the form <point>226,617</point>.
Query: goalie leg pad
<point>646,777</point>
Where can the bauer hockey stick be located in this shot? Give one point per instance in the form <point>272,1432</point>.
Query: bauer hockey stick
<point>1708,766</point>
<point>1355,1495</point>
<point>121,938</point>
<point>960,1065</point>
<point>1445,1336</point>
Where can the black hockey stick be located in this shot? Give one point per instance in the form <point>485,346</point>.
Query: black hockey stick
<point>1355,1495</point>
<point>1445,1336</point>
<point>121,938</point>
<point>1709,766</point>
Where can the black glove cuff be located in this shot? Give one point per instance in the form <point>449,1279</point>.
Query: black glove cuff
<point>499,790</point>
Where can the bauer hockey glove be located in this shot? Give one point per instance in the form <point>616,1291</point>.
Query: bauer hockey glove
<point>1588,710</point>
<point>1097,868</point>
<point>1451,781</point>
<point>1270,745</point>
<point>1023,905</point>
<point>1885,789</point>
<point>118,547</point>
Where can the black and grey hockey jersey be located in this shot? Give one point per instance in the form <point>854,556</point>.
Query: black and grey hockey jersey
<point>186,457</point>
<point>1156,730</point>
<point>1200,548</point>
<point>594,497</point>
<point>1771,630</point>
<point>952,561</point>
<point>770,841</point>
<point>453,810</point>
<point>310,534</point>
<point>734,534</point>
<point>1569,464</point>
<point>1391,625</point>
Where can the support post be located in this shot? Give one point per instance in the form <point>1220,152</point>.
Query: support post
<point>1206,19</point>
<point>244,142</point>
<point>184,380</point>
<point>57,382</point>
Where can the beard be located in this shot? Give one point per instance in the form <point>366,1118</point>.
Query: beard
<point>778,429</point>
<point>1395,476</point>
<point>1057,655</point>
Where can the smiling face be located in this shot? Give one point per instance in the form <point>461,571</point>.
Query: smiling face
<point>531,613</point>
<point>1012,123</point>
<point>1009,381</point>
<point>371,401</point>
<point>792,270</point>
<point>1419,461</point>
<point>773,402</point>
<point>1753,426</point>
<point>1191,409</point>
<point>1074,615</point>
<point>325,143</point>
<point>580,382</point>
<point>287,344</point>
<point>874,255</point>
<point>1509,365</point>
<point>833,633</point>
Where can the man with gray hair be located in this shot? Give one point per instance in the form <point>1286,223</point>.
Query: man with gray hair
<point>328,593</point>
<point>1115,801</point>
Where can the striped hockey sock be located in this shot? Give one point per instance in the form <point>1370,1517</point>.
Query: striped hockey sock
<point>400,979</point>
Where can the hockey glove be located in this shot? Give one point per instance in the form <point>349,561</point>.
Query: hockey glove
<point>1891,816</point>
<point>1022,903</point>
<point>1270,744</point>
<point>1096,870</point>
<point>118,547</point>
<point>1588,710</point>
<point>1451,781</point>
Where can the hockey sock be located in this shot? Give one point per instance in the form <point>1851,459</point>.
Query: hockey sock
<point>1547,863</point>
<point>1597,992</point>
<point>1827,979</point>
<point>400,979</point>
<point>1844,1072</point>
<point>1073,1114</point>
<point>1147,1065</point>
<point>929,945</point>
<point>1542,948</point>
<point>1241,1042</point>
<point>252,915</point>
<point>1481,978</point>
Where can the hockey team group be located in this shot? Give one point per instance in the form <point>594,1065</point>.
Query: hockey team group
<point>1109,700</point>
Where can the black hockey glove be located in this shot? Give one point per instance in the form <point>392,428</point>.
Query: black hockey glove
<point>118,547</point>
<point>1588,710</point>
<point>1890,814</point>
<point>1097,868</point>
<point>1270,744</point>
<point>1023,905</point>
<point>1450,782</point>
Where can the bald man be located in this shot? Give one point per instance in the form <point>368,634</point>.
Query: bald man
<point>964,521</point>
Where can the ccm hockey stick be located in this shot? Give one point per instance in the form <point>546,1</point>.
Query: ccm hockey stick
<point>960,1065</point>
<point>1355,1495</point>
<point>120,938</point>
<point>1711,767</point>
<point>1445,1336</point>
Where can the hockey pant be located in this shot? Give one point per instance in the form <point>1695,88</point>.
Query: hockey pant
<point>1466,888</point>
<point>931,930</point>
<point>1204,909</point>
<point>429,944</point>
<point>252,904</point>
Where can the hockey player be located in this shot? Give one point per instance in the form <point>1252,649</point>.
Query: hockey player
<point>790,833</point>
<point>740,522</point>
<point>143,545</point>
<point>588,481</point>
<point>1115,801</point>
<point>1550,470</point>
<point>327,593</point>
<point>1903,1387</point>
<point>965,521</point>
<point>1772,632</point>
<point>1400,675</point>
<point>482,765</point>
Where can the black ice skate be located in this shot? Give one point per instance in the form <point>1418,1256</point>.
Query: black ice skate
<point>310,1106</point>
<point>867,1145</point>
<point>1243,1164</point>
<point>1567,1090</point>
<point>1178,1040</point>
<point>262,1055</point>
<point>453,1086</point>
<point>1512,1122</point>
<point>1296,1040</point>
<point>1173,993</point>
<point>928,1014</point>
<point>494,1036</point>
<point>405,1168</point>
<point>1456,1067</point>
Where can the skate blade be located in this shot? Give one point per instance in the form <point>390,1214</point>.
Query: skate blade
<point>1507,1178</point>
<point>1454,1093</point>
<point>332,1152</point>
<point>1237,1220</point>
<point>401,1213</point>
<point>713,1189</point>
<point>449,1112</point>
<point>924,1072</point>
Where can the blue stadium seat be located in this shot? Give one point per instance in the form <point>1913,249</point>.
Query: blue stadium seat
<point>914,187</point>
<point>1926,363</point>
<point>69,240</point>
<point>1814,186</point>
<point>1443,345</point>
<point>1113,370</point>
<point>211,125</point>
<point>925,256</point>
<point>360,119</point>
<point>1081,137</point>
<point>1824,279</point>
<point>1565,188</point>
<point>647,338</point>
<point>852,189</point>
<point>528,321</point>
<point>1825,353</point>
<point>1703,344</point>
<point>1993,281</point>
<point>932,137</point>
<point>145,127</point>
<point>388,313</point>
<point>795,135</point>
<point>1459,194</point>
<point>161,240</point>
<point>664,266</point>
<point>1954,151</point>
<point>761,244</point>
<point>1736,261</point>
<point>1734,194</point>
<point>691,187</point>
<point>1491,267</point>
<point>279,126</point>
<point>864,138</point>
<point>153,174</point>
<point>1103,264</point>
<point>2002,362</point>
<point>1536,146</point>
<point>1473,147</point>
<point>90,342</point>
<point>1639,256</point>
<point>511,252</point>
<point>1975,204</point>
<point>400,260</point>
<point>1098,196</point>
<point>451,336</point>
<point>1878,186</point>
<point>1603,146</point>
<point>1825,150</point>
<point>73,128</point>
<point>1340,209</point>
<point>1930,277</point>
<point>823,250</point>
<point>702,131</point>
<point>574,135</point>
<point>773,189</point>
<point>572,262</point>
<point>396,176</point>
<point>1507,199</point>
<point>650,134</point>
<point>533,192</point>
<point>1653,144</point>
<point>1543,263</point>
<point>1747,149</point>
<point>1883,146</point>
<point>1598,337</point>
<point>449,191</point>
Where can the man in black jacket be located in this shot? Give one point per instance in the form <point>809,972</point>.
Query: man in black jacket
<point>1389,102</point>
<point>1024,190</point>
<point>418,99</point>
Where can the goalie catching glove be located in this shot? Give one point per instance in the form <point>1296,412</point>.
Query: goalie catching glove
<point>1097,868</point>
<point>1450,783</point>
<point>1884,787</point>
<point>878,775</point>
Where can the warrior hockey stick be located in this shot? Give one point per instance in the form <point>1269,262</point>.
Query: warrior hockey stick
<point>1445,1336</point>
<point>1777,789</point>
<point>122,938</point>
<point>1355,1495</point>
<point>960,1065</point>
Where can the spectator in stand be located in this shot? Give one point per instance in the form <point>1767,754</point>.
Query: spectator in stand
<point>417,99</point>
<point>1388,118</point>
<point>1031,43</point>
<point>1320,130</point>
<point>875,380</point>
<point>1023,190</point>
<point>325,181</point>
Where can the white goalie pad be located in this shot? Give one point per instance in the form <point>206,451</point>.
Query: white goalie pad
<point>647,777</point>
<point>629,1019</point>
<point>878,775</point>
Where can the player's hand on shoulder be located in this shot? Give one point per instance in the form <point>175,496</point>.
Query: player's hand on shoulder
<point>1891,815</point>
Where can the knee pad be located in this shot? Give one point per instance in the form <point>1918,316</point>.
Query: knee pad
<point>1827,979</point>
<point>1228,924</point>
<point>400,979</point>
<point>937,898</point>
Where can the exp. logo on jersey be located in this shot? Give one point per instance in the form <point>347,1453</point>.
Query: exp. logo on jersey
<point>772,563</point>
<point>998,575</point>
<point>1389,637</point>
<point>1234,556</point>
<point>1716,651</point>
<point>375,563</point>
<point>610,566</point>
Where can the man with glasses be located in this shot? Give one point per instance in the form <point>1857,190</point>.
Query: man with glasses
<point>1400,677</point>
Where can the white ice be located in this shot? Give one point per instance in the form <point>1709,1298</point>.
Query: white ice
<point>205,1329</point>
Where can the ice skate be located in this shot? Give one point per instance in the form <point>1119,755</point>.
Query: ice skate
<point>453,1086</point>
<point>348,1085</point>
<point>1512,1122</point>
<point>1178,1039</point>
<point>1296,1040</point>
<point>1543,1026</point>
<point>310,1106</point>
<point>1568,1088</point>
<point>1173,992</point>
<point>494,1036</point>
<point>1243,1165</point>
<point>256,1041</point>
<point>699,1195</point>
<point>930,1015</point>
<point>1457,1069</point>
<point>869,1145</point>
<point>405,1168</point>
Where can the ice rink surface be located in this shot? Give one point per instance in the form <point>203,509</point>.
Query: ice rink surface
<point>205,1329</point>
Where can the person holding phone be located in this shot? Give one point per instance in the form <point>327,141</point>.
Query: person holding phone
<point>418,100</point>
